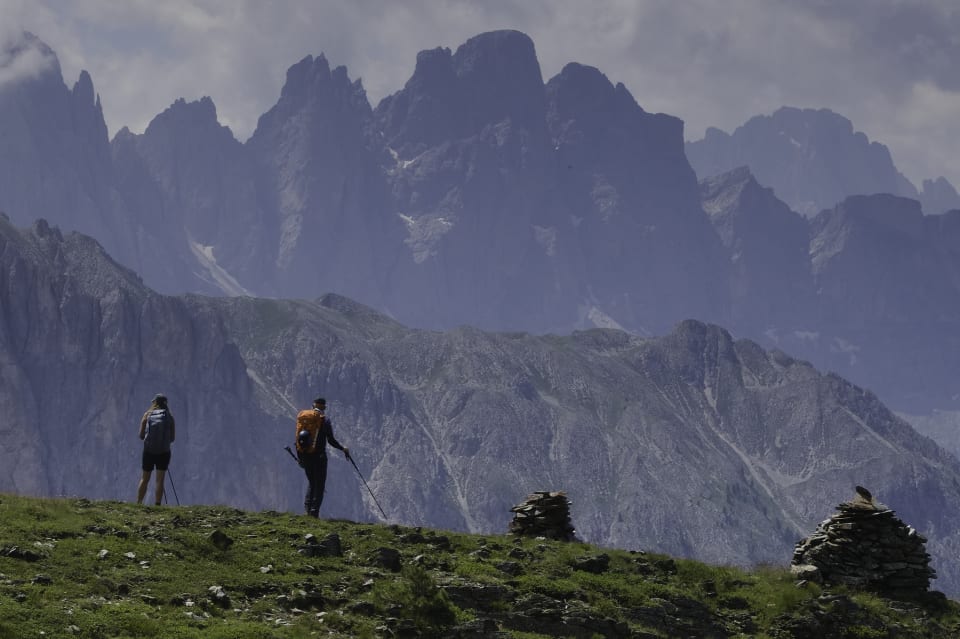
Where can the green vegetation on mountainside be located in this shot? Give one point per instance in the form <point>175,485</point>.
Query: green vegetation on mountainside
<point>77,568</point>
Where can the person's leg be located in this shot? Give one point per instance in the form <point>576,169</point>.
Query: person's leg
<point>163,463</point>
<point>320,482</point>
<point>146,465</point>
<point>161,475</point>
<point>311,501</point>
<point>142,487</point>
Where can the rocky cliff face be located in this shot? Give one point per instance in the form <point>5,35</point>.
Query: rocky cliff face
<point>692,443</point>
<point>889,287</point>
<point>768,248</point>
<point>631,223</point>
<point>470,181</point>
<point>564,193</point>
<point>319,180</point>
<point>201,183</point>
<point>841,289</point>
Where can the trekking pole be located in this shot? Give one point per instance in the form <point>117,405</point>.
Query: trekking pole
<point>295,458</point>
<point>175,495</point>
<point>368,487</point>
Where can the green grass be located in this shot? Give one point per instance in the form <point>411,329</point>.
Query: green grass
<point>76,568</point>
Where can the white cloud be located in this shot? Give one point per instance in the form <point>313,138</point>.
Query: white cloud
<point>22,58</point>
<point>919,125</point>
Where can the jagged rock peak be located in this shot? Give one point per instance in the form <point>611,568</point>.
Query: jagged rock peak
<point>83,90</point>
<point>585,87</point>
<point>496,60</point>
<point>312,76</point>
<point>42,229</point>
<point>88,114</point>
<point>498,54</point>
<point>697,336</point>
<point>433,64</point>
<point>812,158</point>
<point>500,75</point>
<point>492,78</point>
<point>585,109</point>
<point>301,74</point>
<point>723,194</point>
<point>801,119</point>
<point>195,115</point>
<point>734,181</point>
<point>738,192</point>
<point>827,124</point>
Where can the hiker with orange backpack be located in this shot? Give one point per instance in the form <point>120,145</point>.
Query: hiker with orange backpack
<point>314,432</point>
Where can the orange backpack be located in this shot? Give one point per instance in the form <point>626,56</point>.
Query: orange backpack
<point>308,421</point>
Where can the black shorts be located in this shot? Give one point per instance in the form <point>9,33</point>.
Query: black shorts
<point>160,460</point>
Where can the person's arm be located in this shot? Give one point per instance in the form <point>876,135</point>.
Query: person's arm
<point>143,425</point>
<point>173,428</point>
<point>333,440</point>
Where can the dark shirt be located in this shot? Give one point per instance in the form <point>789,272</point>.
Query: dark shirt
<point>325,436</point>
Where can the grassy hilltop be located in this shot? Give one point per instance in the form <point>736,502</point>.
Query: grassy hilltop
<point>78,568</point>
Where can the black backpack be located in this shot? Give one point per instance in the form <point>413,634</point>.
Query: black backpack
<point>157,437</point>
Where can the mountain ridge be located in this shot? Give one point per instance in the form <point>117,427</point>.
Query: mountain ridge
<point>693,443</point>
<point>813,159</point>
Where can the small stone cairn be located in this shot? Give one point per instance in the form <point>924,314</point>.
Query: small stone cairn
<point>544,514</point>
<point>866,545</point>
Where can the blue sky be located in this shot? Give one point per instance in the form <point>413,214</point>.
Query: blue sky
<point>891,66</point>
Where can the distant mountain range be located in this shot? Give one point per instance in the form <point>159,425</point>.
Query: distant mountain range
<point>480,195</point>
<point>813,159</point>
<point>691,443</point>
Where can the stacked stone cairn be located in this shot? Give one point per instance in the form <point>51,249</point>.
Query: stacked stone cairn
<point>865,545</point>
<point>543,514</point>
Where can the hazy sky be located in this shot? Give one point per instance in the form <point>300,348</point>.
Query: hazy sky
<point>891,66</point>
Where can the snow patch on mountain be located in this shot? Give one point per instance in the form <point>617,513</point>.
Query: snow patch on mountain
<point>547,238</point>
<point>218,275</point>
<point>400,164</point>
<point>841,345</point>
<point>424,233</point>
<point>601,320</point>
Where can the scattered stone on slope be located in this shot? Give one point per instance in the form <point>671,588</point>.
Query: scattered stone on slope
<point>388,558</point>
<point>220,539</point>
<point>544,514</point>
<point>329,546</point>
<point>596,564</point>
<point>15,552</point>
<point>219,596</point>
<point>866,545</point>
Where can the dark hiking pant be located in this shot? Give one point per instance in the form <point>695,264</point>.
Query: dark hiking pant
<point>315,466</point>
